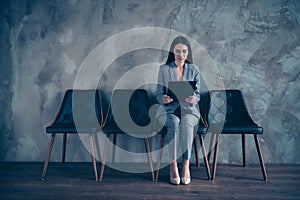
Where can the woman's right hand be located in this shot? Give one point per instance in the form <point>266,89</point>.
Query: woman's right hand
<point>167,99</point>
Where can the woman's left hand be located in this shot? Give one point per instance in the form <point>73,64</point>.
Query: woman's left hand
<point>191,99</point>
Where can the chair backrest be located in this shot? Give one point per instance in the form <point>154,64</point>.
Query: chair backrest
<point>83,106</point>
<point>129,109</point>
<point>204,101</point>
<point>228,106</point>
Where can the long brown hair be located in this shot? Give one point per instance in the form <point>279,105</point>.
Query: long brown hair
<point>184,41</point>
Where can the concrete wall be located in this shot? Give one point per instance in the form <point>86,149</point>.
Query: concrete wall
<point>254,45</point>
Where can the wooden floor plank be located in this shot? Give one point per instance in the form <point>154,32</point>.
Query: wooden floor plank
<point>75,181</point>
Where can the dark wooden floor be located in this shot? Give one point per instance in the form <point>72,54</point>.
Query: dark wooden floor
<point>75,181</point>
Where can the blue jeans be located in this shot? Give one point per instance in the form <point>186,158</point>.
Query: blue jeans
<point>180,134</point>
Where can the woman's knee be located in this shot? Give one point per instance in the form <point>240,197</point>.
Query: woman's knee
<point>172,121</point>
<point>169,120</point>
<point>189,120</point>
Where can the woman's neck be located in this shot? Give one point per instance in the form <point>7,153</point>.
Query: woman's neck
<point>179,65</point>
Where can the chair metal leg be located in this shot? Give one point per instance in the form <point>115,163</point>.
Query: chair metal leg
<point>215,158</point>
<point>114,148</point>
<point>261,160</point>
<point>162,138</point>
<point>63,158</point>
<point>93,156</point>
<point>196,152</point>
<point>50,147</point>
<point>211,144</point>
<point>104,158</point>
<point>149,156</point>
<point>244,149</point>
<point>205,157</point>
<point>97,147</point>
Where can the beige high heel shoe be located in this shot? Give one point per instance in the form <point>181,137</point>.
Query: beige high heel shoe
<point>175,180</point>
<point>186,180</point>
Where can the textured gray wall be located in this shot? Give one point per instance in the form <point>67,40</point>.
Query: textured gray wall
<point>255,45</point>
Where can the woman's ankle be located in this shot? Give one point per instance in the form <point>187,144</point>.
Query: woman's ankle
<point>174,169</point>
<point>186,169</point>
<point>173,163</point>
<point>186,163</point>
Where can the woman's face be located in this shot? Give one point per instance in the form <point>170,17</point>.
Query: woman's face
<point>180,53</point>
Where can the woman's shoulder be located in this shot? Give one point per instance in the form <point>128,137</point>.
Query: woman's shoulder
<point>164,66</point>
<point>193,67</point>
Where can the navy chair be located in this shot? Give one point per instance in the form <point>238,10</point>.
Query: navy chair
<point>202,129</point>
<point>228,114</point>
<point>80,112</point>
<point>128,113</point>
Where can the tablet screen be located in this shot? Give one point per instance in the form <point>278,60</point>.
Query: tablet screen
<point>180,90</point>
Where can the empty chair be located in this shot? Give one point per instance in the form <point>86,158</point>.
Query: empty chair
<point>128,114</point>
<point>228,114</point>
<point>80,112</point>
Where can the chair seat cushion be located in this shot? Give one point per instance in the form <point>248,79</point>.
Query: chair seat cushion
<point>202,130</point>
<point>250,129</point>
<point>71,128</point>
<point>126,130</point>
<point>112,130</point>
<point>238,128</point>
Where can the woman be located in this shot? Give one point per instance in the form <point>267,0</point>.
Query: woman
<point>181,118</point>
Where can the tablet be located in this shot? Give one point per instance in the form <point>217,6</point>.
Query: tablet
<point>180,90</point>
